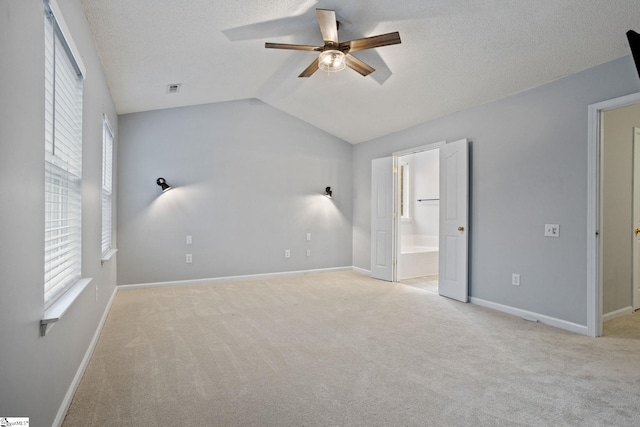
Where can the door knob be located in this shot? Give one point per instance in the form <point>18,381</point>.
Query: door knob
<point>637,231</point>
<point>461,228</point>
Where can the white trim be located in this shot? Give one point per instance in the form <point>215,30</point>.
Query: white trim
<point>106,119</point>
<point>55,8</point>
<point>361,270</point>
<point>594,296</point>
<point>531,316</point>
<point>108,255</point>
<point>66,402</point>
<point>594,281</point>
<point>618,313</point>
<point>56,310</point>
<point>229,278</point>
<point>419,149</point>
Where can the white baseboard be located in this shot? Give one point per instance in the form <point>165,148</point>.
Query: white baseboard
<point>66,402</point>
<point>229,278</point>
<point>530,315</point>
<point>361,270</point>
<point>618,313</point>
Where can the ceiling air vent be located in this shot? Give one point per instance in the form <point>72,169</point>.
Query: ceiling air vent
<point>173,88</point>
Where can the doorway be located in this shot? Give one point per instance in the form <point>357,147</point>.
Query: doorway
<point>611,223</point>
<point>619,218</point>
<point>417,222</point>
<point>388,198</point>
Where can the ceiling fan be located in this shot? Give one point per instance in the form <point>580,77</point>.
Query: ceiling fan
<point>334,56</point>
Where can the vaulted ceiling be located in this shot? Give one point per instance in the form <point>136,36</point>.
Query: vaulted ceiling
<point>455,54</point>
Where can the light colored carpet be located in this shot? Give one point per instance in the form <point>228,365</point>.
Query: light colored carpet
<point>426,283</point>
<point>341,349</point>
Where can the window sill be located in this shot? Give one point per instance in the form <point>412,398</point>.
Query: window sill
<point>107,256</point>
<point>62,304</point>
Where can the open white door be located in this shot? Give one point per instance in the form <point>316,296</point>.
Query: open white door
<point>454,220</point>
<point>636,218</point>
<point>382,239</point>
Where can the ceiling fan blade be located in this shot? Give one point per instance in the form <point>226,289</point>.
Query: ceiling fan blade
<point>292,46</point>
<point>328,26</point>
<point>357,65</point>
<point>371,42</point>
<point>312,68</point>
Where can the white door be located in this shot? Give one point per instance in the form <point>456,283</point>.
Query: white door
<point>454,220</point>
<point>382,239</point>
<point>636,218</point>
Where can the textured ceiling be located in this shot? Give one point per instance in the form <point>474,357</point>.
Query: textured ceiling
<point>454,54</point>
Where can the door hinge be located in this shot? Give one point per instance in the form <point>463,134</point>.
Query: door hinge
<point>394,261</point>
<point>395,170</point>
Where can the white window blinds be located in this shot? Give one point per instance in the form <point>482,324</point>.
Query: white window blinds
<point>63,163</point>
<point>107,186</point>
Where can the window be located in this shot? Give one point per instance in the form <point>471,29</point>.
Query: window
<point>404,191</point>
<point>107,186</point>
<point>63,162</point>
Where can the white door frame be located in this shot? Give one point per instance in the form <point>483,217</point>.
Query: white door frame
<point>635,295</point>
<point>396,201</point>
<point>594,243</point>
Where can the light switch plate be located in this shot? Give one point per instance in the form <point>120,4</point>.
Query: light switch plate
<point>552,230</point>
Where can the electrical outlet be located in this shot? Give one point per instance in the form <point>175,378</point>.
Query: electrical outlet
<point>189,240</point>
<point>308,252</point>
<point>189,258</point>
<point>308,237</point>
<point>287,253</point>
<point>552,230</point>
<point>515,279</point>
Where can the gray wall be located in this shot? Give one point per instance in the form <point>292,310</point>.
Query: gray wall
<point>425,180</point>
<point>529,167</point>
<point>617,206</point>
<point>35,373</point>
<point>247,180</point>
<point>248,183</point>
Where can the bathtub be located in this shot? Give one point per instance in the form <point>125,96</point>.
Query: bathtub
<point>418,256</point>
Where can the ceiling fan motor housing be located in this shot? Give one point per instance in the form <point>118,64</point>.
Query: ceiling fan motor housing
<point>335,56</point>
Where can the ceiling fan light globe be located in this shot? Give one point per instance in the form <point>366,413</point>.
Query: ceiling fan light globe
<point>331,61</point>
